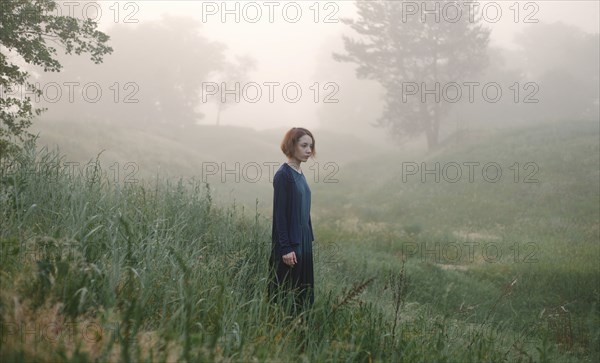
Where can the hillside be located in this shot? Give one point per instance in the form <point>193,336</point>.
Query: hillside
<point>98,270</point>
<point>203,152</point>
<point>561,181</point>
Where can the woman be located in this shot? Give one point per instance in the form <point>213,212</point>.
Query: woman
<point>291,259</point>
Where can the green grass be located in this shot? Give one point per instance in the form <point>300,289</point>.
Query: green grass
<point>160,271</point>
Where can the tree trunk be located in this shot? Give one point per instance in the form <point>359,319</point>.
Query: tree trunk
<point>219,113</point>
<point>434,122</point>
<point>434,131</point>
<point>432,138</point>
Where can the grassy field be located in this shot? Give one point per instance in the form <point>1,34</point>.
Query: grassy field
<point>408,269</point>
<point>140,153</point>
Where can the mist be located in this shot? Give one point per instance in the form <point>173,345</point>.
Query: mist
<point>182,71</point>
<point>435,124</point>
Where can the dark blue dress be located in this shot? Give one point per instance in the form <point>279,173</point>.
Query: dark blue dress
<point>300,277</point>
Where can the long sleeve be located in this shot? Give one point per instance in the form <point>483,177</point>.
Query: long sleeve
<point>310,226</point>
<point>280,207</point>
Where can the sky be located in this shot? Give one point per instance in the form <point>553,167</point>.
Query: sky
<point>285,42</point>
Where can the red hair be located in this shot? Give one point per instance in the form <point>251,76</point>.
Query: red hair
<point>288,145</point>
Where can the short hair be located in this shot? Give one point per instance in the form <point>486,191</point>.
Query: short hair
<point>288,145</point>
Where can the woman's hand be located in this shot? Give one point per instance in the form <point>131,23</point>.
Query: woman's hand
<point>290,259</point>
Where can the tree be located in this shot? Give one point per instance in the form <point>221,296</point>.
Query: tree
<point>154,77</point>
<point>233,73</point>
<point>26,28</point>
<point>400,51</point>
<point>360,101</point>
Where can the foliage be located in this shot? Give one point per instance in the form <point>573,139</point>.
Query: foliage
<point>155,76</point>
<point>156,271</point>
<point>27,29</point>
<point>396,50</point>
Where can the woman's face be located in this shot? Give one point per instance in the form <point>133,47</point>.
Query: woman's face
<point>303,148</point>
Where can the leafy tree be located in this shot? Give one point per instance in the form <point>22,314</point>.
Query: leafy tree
<point>396,49</point>
<point>154,78</point>
<point>233,73</point>
<point>26,30</point>
<point>360,101</point>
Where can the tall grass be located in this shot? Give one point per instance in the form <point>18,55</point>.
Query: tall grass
<point>94,270</point>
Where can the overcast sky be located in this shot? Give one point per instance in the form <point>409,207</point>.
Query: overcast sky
<point>287,51</point>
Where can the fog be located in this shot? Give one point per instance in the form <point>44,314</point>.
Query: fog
<point>454,194</point>
<point>301,52</point>
<point>168,90</point>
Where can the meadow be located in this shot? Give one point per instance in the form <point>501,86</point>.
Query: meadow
<point>408,269</point>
